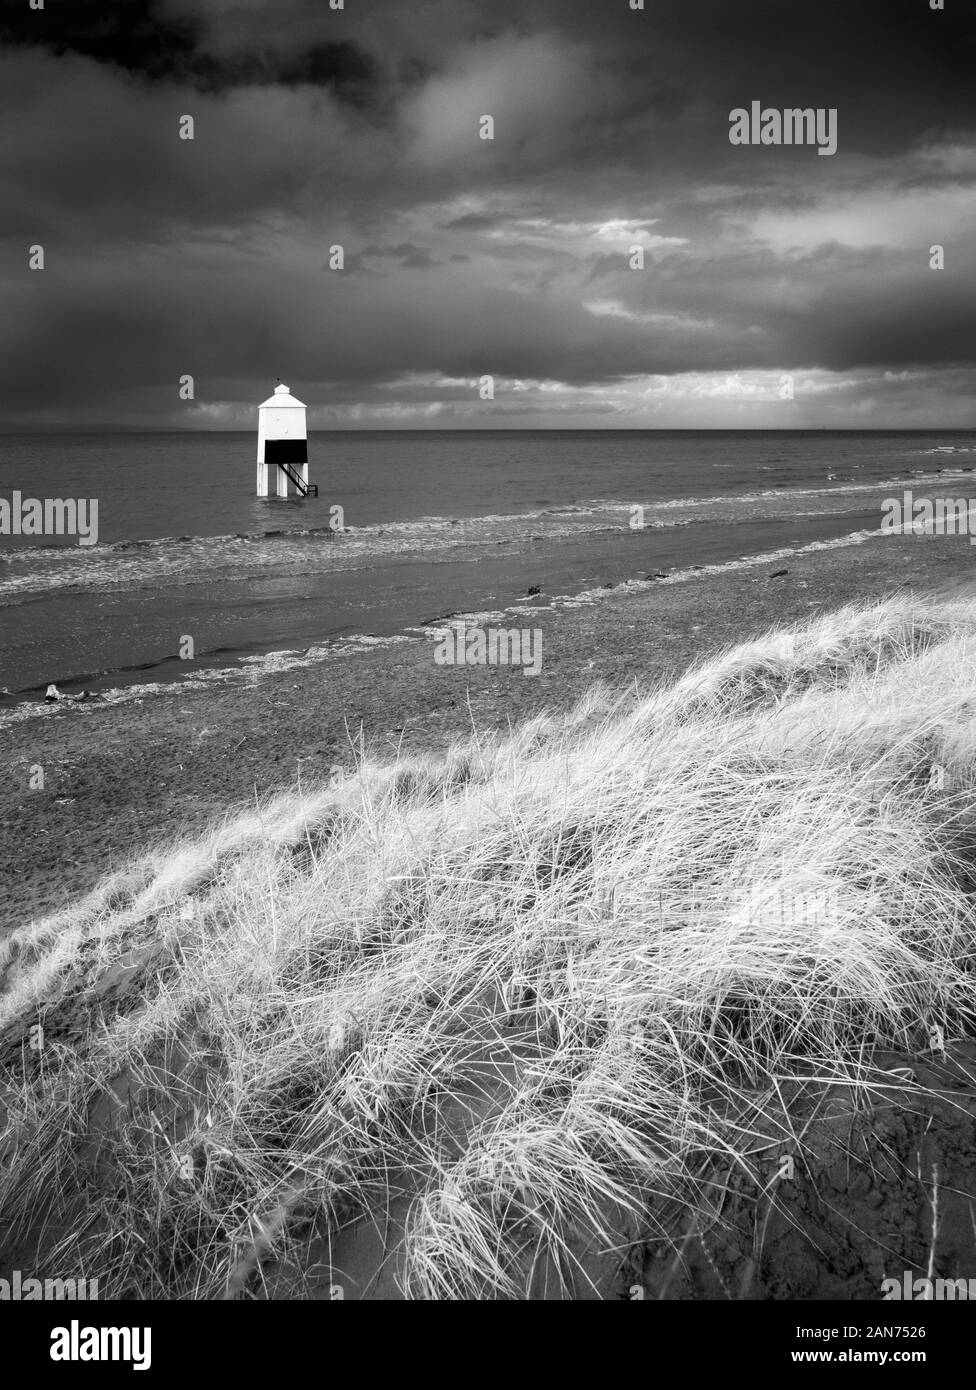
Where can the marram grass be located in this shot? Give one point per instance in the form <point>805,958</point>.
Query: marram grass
<point>543,986</point>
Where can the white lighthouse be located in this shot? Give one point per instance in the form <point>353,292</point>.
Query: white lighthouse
<point>283,445</point>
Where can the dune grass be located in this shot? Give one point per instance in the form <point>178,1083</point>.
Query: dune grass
<point>544,987</point>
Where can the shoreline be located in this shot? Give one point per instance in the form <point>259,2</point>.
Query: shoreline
<point>249,617</point>
<point>227,664</point>
<point>120,778</point>
<point>247,587</point>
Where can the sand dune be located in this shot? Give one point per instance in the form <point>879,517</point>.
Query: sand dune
<point>542,1017</point>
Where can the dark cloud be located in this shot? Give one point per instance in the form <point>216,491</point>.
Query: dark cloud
<point>359,127</point>
<point>133,36</point>
<point>473,222</point>
<point>415,257</point>
<point>405,254</point>
<point>157,42</point>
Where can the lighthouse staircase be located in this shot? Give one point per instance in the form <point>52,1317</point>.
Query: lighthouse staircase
<point>304,489</point>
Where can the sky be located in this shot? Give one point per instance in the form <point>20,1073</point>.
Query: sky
<point>780,288</point>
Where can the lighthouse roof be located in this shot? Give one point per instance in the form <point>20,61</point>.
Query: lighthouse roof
<point>282,397</point>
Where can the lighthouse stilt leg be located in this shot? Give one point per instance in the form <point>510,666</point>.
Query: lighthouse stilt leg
<point>262,480</point>
<point>303,470</point>
<point>282,482</point>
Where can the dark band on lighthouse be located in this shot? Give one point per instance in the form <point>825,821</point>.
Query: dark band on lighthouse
<point>286,451</point>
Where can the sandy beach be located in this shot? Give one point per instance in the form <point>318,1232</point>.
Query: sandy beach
<point>121,778</point>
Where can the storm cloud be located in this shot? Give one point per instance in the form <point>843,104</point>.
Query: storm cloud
<point>360,128</point>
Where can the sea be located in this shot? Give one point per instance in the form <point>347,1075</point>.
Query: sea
<point>408,528</point>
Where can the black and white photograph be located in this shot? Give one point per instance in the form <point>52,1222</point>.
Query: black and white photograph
<point>488,664</point>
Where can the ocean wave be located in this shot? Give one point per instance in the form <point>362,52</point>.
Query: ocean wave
<point>787,492</point>
<point>598,506</point>
<point>245,557</point>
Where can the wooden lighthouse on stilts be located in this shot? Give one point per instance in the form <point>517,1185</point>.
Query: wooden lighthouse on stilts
<point>283,446</point>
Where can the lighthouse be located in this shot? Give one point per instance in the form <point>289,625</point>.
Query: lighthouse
<point>283,445</point>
